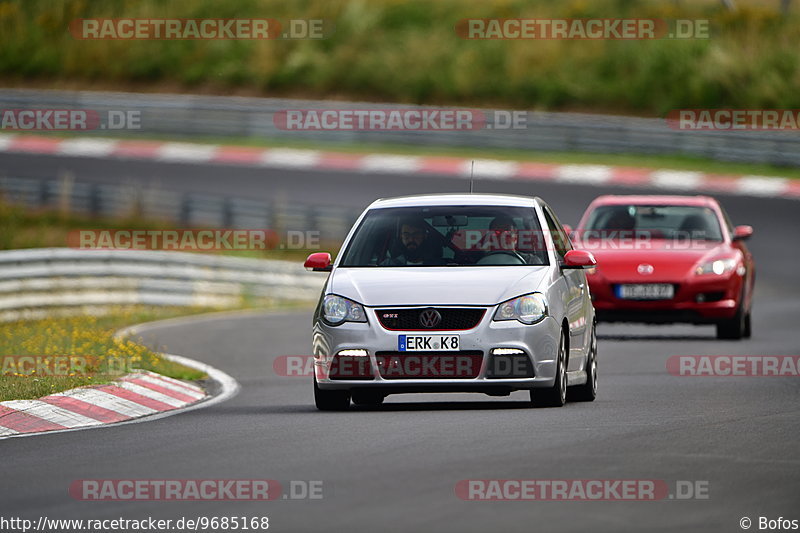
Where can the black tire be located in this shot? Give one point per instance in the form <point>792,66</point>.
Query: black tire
<point>733,328</point>
<point>587,392</point>
<point>367,398</point>
<point>331,400</point>
<point>748,326</point>
<point>555,396</point>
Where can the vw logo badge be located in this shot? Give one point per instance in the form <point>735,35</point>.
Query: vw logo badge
<point>644,268</point>
<point>430,318</point>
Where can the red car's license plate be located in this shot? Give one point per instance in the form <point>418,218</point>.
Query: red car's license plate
<point>646,291</point>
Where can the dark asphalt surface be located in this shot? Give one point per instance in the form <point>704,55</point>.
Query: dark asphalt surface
<point>395,468</point>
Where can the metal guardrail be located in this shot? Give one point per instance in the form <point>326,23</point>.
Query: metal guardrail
<point>37,281</point>
<point>190,115</point>
<point>180,208</point>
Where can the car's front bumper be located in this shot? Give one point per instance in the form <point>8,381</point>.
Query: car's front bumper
<point>699,300</point>
<point>538,342</point>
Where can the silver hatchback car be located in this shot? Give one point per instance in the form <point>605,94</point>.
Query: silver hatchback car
<point>454,293</point>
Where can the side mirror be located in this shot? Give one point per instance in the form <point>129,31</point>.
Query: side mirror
<point>579,259</point>
<point>319,262</point>
<point>741,233</point>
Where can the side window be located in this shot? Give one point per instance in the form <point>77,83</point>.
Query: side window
<point>728,222</point>
<point>560,240</point>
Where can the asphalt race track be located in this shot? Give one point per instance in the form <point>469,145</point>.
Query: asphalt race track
<point>395,468</point>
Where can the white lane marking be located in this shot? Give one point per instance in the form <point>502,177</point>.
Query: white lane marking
<point>185,152</point>
<point>87,147</point>
<point>390,163</point>
<point>4,431</point>
<point>676,179</point>
<point>149,393</point>
<point>229,387</point>
<point>490,168</point>
<point>51,413</point>
<point>170,386</point>
<point>108,401</point>
<point>184,384</point>
<point>6,141</point>
<point>762,185</point>
<point>589,174</point>
<point>285,157</point>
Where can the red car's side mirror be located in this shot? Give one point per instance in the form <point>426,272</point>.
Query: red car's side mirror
<point>319,262</point>
<point>741,233</point>
<point>579,259</point>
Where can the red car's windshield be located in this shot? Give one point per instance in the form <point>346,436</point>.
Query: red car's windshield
<point>654,221</point>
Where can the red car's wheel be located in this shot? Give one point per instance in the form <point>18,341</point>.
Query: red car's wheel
<point>733,328</point>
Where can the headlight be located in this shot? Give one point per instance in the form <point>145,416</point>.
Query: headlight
<point>527,309</point>
<point>718,267</point>
<point>337,310</point>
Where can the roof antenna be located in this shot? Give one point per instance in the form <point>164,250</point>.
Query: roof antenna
<point>471,175</point>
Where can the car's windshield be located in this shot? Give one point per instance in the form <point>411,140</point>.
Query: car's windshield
<point>653,221</point>
<point>447,236</point>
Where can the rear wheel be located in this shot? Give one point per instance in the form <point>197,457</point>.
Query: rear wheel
<point>587,392</point>
<point>555,396</point>
<point>331,400</point>
<point>367,398</point>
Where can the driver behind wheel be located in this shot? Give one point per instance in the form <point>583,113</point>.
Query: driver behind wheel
<point>504,238</point>
<point>416,246</point>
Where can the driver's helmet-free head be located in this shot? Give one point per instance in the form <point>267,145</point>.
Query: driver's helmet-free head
<point>620,219</point>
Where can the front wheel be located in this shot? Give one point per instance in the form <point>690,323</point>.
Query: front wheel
<point>331,400</point>
<point>748,326</point>
<point>366,398</point>
<point>734,328</point>
<point>555,396</point>
<point>588,391</point>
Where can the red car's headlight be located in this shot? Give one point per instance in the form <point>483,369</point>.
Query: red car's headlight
<point>718,267</point>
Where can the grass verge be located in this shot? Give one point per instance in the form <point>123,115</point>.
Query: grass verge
<point>409,51</point>
<point>60,347</point>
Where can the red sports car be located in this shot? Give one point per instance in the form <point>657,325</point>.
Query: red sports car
<point>664,259</point>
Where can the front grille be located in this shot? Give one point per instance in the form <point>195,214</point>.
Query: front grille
<point>453,318</point>
<point>464,364</point>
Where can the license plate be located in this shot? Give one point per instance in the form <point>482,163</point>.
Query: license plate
<point>649,291</point>
<point>428,343</point>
